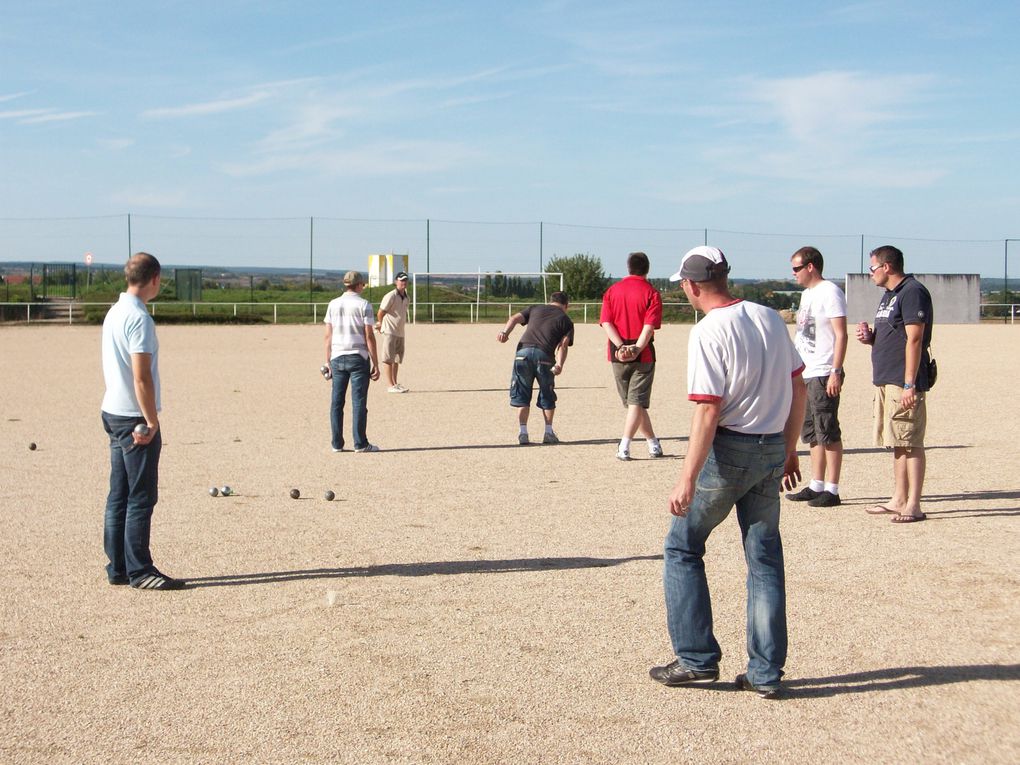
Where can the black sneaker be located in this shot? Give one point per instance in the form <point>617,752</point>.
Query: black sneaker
<point>118,579</point>
<point>675,673</point>
<point>157,581</point>
<point>805,494</point>
<point>765,692</point>
<point>825,499</point>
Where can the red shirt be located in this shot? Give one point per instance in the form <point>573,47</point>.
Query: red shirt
<point>630,304</point>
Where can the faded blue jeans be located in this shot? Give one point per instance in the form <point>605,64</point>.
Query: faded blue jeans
<point>742,470</point>
<point>134,474</point>
<point>350,369</point>
<point>531,363</point>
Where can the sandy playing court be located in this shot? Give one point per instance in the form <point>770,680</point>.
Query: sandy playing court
<point>469,600</point>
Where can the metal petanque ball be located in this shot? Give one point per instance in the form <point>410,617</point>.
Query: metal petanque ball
<point>214,491</point>
<point>294,493</point>
<point>226,491</point>
<point>142,429</point>
<point>329,496</point>
<point>32,447</point>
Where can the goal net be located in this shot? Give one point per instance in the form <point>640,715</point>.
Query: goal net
<point>479,295</point>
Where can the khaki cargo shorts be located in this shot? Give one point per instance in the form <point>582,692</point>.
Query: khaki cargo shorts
<point>895,426</point>
<point>391,349</point>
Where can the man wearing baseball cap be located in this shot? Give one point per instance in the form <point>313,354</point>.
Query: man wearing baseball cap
<point>351,355</point>
<point>744,377</point>
<point>390,322</point>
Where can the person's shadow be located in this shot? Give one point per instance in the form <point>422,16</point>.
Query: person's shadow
<point>894,678</point>
<point>897,678</point>
<point>434,568</point>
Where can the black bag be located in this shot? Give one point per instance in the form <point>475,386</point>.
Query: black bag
<point>933,370</point>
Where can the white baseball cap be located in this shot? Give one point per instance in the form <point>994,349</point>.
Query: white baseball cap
<point>702,264</point>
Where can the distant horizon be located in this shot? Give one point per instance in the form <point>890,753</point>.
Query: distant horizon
<point>446,246</point>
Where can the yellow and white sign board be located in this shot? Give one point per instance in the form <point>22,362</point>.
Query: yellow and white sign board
<point>382,268</point>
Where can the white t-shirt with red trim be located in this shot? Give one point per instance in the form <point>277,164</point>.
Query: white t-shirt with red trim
<point>741,354</point>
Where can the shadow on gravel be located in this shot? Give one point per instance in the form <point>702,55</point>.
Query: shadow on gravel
<point>438,568</point>
<point>537,436</point>
<point>888,450</point>
<point>897,678</point>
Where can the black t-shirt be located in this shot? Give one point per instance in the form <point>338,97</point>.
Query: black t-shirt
<point>909,303</point>
<point>547,326</point>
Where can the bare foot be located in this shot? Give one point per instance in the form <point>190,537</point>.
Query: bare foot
<point>881,510</point>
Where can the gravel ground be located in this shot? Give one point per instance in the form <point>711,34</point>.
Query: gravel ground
<point>465,599</point>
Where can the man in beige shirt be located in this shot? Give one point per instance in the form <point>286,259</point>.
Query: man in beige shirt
<point>390,322</point>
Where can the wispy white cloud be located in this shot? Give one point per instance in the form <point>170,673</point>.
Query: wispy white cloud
<point>311,124</point>
<point>378,159</point>
<point>207,107</point>
<point>828,106</point>
<point>826,129</point>
<point>453,103</point>
<point>315,117</point>
<point>12,96</point>
<point>116,144</point>
<point>54,116</point>
<point>37,116</point>
<point>147,198</point>
<point>20,114</point>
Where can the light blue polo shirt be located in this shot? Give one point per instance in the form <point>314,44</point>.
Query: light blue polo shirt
<point>127,329</point>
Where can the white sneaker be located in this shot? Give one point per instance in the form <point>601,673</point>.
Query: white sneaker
<point>394,389</point>
<point>402,388</point>
<point>654,450</point>
<point>623,455</point>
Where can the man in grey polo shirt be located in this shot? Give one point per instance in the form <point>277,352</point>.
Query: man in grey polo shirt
<point>130,412</point>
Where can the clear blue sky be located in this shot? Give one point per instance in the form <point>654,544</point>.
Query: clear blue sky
<point>878,118</point>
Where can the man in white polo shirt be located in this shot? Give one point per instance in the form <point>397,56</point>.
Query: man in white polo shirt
<point>352,360</point>
<point>743,374</point>
<point>130,412</point>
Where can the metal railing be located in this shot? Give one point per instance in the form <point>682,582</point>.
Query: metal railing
<point>437,312</point>
<point>432,312</point>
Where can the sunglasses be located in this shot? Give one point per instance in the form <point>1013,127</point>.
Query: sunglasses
<point>798,269</point>
<point>874,268</point>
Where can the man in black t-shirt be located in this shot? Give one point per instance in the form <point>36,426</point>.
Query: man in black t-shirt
<point>899,359</point>
<point>540,355</point>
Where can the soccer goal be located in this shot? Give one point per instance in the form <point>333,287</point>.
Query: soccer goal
<point>467,295</point>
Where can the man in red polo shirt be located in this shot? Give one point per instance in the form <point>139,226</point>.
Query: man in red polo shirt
<point>631,312</point>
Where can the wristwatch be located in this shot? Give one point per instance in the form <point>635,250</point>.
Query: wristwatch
<point>838,370</point>
<point>907,386</point>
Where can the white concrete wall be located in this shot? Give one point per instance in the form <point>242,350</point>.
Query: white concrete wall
<point>956,298</point>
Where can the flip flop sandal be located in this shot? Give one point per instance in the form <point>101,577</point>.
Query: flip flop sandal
<point>900,518</point>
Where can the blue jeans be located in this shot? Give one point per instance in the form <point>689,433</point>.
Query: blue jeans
<point>745,471</point>
<point>350,369</point>
<point>531,363</point>
<point>134,473</point>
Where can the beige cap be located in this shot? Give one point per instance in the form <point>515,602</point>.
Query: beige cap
<point>353,279</point>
